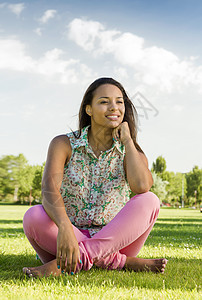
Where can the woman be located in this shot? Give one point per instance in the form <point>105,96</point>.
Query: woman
<point>87,217</point>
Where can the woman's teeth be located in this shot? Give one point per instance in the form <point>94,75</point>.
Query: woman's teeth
<point>112,117</point>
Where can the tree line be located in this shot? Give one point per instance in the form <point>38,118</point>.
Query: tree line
<point>177,189</point>
<point>20,182</point>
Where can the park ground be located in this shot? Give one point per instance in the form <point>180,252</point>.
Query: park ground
<point>175,236</point>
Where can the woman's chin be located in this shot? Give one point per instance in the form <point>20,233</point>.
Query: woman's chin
<point>111,126</point>
<point>113,123</point>
<point>109,123</point>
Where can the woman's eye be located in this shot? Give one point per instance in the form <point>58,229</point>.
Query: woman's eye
<point>104,101</point>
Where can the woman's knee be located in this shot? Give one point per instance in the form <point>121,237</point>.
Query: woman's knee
<point>33,215</point>
<point>154,199</point>
<point>148,199</point>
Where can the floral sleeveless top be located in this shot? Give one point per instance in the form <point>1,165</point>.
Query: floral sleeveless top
<point>94,189</point>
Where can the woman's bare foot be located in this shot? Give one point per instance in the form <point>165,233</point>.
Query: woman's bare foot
<point>46,270</point>
<point>141,264</point>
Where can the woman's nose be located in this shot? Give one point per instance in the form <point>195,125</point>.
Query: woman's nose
<point>113,106</point>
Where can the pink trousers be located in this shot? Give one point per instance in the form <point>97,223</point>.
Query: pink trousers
<point>123,236</point>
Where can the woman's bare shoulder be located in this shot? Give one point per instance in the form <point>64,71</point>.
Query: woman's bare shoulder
<point>61,140</point>
<point>60,146</point>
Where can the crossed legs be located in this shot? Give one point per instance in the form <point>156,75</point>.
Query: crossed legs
<point>115,246</point>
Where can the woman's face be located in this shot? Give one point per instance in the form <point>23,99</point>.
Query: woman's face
<point>107,107</point>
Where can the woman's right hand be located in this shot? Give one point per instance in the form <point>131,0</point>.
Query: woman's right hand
<point>68,254</point>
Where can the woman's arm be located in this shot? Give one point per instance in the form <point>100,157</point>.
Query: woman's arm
<point>67,246</point>
<point>136,167</point>
<point>135,163</point>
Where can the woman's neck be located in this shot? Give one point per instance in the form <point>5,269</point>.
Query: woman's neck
<point>100,138</point>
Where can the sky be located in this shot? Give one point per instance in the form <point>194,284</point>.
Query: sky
<point>51,51</point>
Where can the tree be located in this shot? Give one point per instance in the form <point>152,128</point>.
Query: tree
<point>36,183</point>
<point>6,182</point>
<point>194,183</point>
<point>23,174</point>
<point>159,166</point>
<point>159,186</point>
<point>18,179</point>
<point>174,187</point>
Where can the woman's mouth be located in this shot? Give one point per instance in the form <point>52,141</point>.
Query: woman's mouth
<point>112,117</point>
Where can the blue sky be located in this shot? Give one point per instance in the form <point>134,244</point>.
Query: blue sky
<point>50,51</point>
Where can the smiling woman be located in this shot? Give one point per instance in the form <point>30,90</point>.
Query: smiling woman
<point>87,217</point>
<point>129,115</point>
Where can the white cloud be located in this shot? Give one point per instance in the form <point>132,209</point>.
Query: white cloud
<point>38,31</point>
<point>13,57</point>
<point>16,8</point>
<point>78,29</point>
<point>49,14</point>
<point>121,72</point>
<point>152,66</point>
<point>51,63</point>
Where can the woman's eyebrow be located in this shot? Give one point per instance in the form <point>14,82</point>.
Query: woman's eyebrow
<point>109,98</point>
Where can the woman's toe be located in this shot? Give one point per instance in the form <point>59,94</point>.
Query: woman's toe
<point>27,272</point>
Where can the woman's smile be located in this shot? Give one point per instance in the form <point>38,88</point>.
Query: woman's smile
<point>112,117</point>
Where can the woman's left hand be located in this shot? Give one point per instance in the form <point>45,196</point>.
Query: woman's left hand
<point>122,133</point>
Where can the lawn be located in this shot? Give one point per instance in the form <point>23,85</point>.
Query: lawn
<point>176,236</point>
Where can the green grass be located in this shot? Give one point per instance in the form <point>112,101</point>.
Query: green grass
<point>176,236</point>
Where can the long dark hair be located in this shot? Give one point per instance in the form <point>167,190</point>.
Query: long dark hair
<point>130,115</point>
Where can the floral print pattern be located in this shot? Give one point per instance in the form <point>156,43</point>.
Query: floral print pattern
<point>94,189</point>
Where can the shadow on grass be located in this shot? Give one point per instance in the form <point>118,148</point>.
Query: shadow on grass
<point>11,232</point>
<point>177,234</point>
<point>11,265</point>
<point>180,274</point>
<point>10,221</point>
<point>13,204</point>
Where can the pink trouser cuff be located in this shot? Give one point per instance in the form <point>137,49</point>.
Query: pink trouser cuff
<point>112,261</point>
